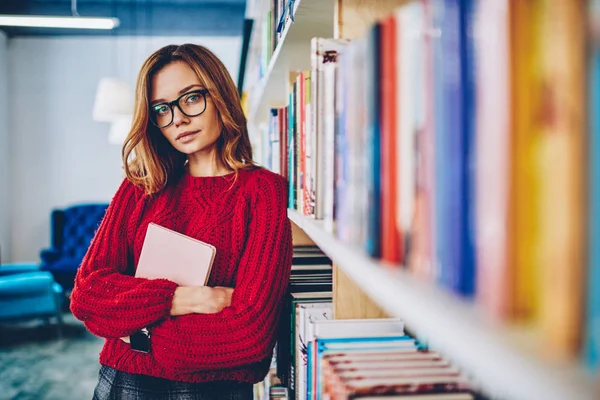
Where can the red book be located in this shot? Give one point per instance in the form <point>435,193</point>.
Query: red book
<point>391,243</point>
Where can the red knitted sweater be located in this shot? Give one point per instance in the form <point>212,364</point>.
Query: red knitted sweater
<point>246,221</point>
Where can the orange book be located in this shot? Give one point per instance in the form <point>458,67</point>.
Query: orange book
<point>561,162</point>
<point>524,199</point>
<point>391,243</point>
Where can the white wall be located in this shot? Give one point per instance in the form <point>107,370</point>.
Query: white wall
<point>60,156</point>
<point>5,186</point>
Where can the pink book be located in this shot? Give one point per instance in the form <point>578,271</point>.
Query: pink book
<point>174,256</point>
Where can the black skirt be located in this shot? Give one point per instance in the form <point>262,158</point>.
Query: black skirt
<point>117,385</point>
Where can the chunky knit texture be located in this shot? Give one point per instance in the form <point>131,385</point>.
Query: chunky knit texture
<point>246,220</point>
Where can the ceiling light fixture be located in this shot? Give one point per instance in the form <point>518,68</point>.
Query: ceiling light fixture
<point>47,21</point>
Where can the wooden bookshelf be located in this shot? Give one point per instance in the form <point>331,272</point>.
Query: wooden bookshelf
<point>502,360</point>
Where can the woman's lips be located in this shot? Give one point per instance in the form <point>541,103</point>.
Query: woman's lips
<point>186,136</point>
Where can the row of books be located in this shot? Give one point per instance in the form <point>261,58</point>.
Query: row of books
<point>317,357</point>
<point>311,272</point>
<point>267,33</point>
<point>451,140</point>
<point>311,280</point>
<point>369,358</point>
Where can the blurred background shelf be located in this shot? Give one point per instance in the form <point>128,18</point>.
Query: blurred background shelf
<point>312,18</point>
<point>505,361</point>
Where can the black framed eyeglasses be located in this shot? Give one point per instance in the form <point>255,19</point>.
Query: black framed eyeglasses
<point>190,104</point>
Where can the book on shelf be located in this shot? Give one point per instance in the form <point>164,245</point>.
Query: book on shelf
<point>561,161</point>
<point>592,327</point>
<point>492,175</point>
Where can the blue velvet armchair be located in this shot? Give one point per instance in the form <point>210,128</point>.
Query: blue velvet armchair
<point>72,230</point>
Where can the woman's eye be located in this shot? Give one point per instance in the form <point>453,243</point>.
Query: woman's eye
<point>192,98</point>
<point>161,110</point>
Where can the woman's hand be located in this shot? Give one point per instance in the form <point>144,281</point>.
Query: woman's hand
<point>200,300</point>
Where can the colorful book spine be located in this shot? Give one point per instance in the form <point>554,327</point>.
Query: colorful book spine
<point>421,258</point>
<point>525,193</point>
<point>291,152</point>
<point>373,148</point>
<point>439,125</point>
<point>592,330</point>
<point>493,157</point>
<point>561,161</point>
<point>391,242</point>
<point>466,268</point>
<point>451,148</point>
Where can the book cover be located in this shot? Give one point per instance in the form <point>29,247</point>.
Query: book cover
<point>421,258</point>
<point>450,149</point>
<point>373,142</point>
<point>561,162</point>
<point>189,260</point>
<point>525,100</point>
<point>410,95</point>
<point>493,157</point>
<point>329,83</point>
<point>466,268</point>
<point>391,243</point>
<point>592,329</point>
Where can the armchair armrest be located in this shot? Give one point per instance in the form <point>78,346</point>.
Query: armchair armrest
<point>12,269</point>
<point>19,284</point>
<point>48,256</point>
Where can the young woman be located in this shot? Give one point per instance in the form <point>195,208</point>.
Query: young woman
<point>189,168</point>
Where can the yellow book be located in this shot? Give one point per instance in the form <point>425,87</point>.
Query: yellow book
<point>562,160</point>
<point>524,175</point>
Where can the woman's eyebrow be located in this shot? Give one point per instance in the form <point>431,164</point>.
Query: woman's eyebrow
<point>182,91</point>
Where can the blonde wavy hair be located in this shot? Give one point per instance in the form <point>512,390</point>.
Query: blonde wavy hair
<point>150,161</point>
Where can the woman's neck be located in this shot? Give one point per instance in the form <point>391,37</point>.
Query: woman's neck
<point>205,166</point>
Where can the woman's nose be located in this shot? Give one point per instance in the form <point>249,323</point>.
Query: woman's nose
<point>179,117</point>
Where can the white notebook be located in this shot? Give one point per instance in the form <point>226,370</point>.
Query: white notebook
<point>172,255</point>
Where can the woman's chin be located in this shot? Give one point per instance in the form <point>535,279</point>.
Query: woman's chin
<point>194,148</point>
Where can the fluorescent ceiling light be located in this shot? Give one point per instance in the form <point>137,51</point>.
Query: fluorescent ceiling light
<point>58,22</point>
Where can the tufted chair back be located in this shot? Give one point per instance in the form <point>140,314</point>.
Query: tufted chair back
<point>72,230</point>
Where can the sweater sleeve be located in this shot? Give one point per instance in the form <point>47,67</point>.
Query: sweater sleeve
<point>110,303</point>
<point>245,332</point>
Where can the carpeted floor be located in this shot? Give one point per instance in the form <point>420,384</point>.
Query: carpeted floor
<point>36,364</point>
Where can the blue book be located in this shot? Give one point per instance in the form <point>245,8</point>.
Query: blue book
<point>291,158</point>
<point>592,330</point>
<point>466,268</point>
<point>454,149</point>
<point>450,147</point>
<point>373,148</point>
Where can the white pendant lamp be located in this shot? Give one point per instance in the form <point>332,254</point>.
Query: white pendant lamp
<point>114,99</point>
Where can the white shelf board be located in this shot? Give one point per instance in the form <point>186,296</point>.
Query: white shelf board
<point>312,18</point>
<point>504,366</point>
